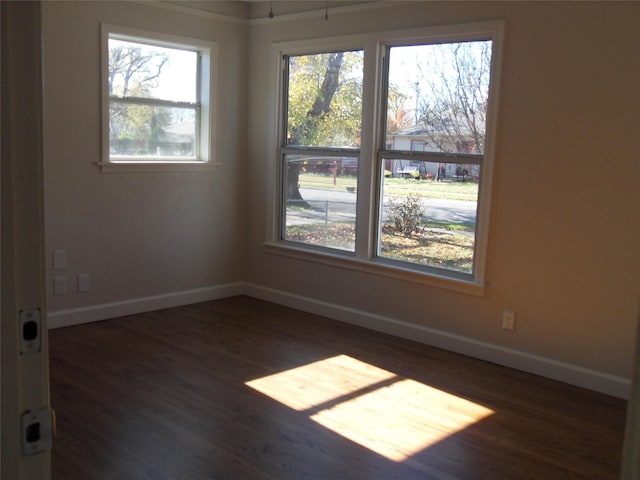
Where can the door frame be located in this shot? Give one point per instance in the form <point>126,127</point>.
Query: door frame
<point>24,381</point>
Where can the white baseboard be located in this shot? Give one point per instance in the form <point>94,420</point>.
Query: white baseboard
<point>545,367</point>
<point>94,313</point>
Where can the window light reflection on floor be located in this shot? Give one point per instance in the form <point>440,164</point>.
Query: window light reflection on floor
<point>393,416</point>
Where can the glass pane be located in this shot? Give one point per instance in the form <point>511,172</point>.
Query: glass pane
<point>144,130</point>
<point>321,200</point>
<point>325,99</point>
<point>437,97</point>
<point>149,71</point>
<point>429,213</point>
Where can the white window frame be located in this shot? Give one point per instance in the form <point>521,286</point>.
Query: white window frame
<point>286,149</point>
<point>372,149</point>
<point>205,106</point>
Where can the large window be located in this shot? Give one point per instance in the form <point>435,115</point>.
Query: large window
<point>401,183</point>
<point>436,102</point>
<point>157,98</point>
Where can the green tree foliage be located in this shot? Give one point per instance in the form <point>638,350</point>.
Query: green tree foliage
<point>324,107</point>
<point>325,99</point>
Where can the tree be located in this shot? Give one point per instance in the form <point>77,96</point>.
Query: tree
<point>324,105</point>
<point>454,110</point>
<point>448,96</point>
<point>397,115</point>
<point>134,71</point>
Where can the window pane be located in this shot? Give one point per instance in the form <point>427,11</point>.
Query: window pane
<point>428,213</point>
<point>325,99</point>
<point>321,200</point>
<point>437,97</point>
<point>144,130</point>
<point>149,71</point>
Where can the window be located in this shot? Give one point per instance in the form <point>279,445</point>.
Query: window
<point>385,151</point>
<point>321,146</point>
<point>157,101</point>
<point>436,102</point>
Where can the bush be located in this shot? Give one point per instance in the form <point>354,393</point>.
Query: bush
<point>406,214</point>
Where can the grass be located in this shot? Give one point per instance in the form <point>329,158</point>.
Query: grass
<point>433,247</point>
<point>451,190</point>
<point>450,226</point>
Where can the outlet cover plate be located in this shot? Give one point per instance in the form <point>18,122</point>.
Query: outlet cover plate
<point>509,320</point>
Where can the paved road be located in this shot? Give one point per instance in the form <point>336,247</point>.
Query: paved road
<point>454,211</point>
<point>339,206</point>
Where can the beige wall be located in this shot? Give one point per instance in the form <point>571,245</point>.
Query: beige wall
<point>137,235</point>
<point>563,245</point>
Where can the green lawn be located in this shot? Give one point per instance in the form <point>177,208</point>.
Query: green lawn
<point>397,186</point>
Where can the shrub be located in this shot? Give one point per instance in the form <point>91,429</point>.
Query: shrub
<point>406,214</point>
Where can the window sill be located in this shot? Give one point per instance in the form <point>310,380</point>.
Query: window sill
<point>379,267</point>
<point>138,167</point>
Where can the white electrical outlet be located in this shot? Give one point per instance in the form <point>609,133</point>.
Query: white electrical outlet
<point>59,285</point>
<point>509,320</point>
<point>83,283</point>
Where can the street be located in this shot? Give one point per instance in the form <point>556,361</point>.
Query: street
<point>340,206</point>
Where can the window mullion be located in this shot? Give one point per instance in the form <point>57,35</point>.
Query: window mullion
<point>432,157</point>
<point>368,172</point>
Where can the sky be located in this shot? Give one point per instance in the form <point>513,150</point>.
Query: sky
<point>178,81</point>
<point>411,64</point>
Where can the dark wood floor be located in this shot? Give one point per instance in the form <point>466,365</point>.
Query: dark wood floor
<point>244,389</point>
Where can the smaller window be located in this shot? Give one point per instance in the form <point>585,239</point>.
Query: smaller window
<point>156,98</point>
<point>320,148</point>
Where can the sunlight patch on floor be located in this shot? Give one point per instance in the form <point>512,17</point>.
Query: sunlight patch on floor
<point>313,384</point>
<point>402,419</point>
<point>393,416</point>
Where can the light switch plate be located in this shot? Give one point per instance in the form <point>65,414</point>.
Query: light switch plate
<point>59,259</point>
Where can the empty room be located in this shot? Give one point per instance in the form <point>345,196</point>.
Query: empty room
<point>282,240</point>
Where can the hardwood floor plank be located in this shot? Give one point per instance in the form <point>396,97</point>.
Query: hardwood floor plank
<point>244,389</point>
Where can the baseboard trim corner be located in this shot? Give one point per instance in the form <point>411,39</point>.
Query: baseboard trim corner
<point>535,364</point>
<point>95,313</point>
